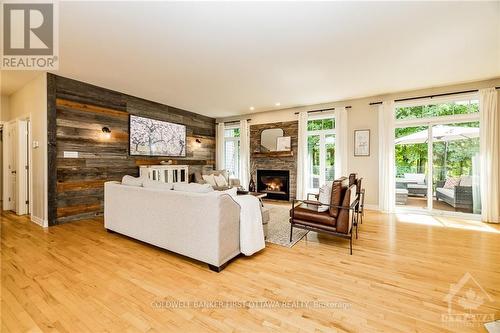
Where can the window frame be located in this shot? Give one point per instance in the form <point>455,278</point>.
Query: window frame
<point>236,140</point>
<point>430,122</point>
<point>322,149</point>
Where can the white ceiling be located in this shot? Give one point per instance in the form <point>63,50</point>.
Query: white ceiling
<point>219,59</point>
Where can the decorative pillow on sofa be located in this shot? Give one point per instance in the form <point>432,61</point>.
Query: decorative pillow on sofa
<point>451,182</point>
<point>325,194</point>
<point>466,181</point>
<point>148,183</point>
<point>220,180</point>
<point>210,179</point>
<point>132,181</point>
<point>193,187</point>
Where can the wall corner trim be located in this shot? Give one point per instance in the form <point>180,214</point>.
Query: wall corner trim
<point>41,222</point>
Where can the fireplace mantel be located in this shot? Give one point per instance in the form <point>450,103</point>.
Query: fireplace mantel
<point>267,154</point>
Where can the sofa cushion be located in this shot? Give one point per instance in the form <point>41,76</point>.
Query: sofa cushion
<point>417,186</point>
<point>418,178</point>
<point>209,179</point>
<point>148,183</point>
<point>338,188</point>
<point>450,193</point>
<point>451,183</point>
<point>305,214</point>
<point>132,181</point>
<point>193,187</point>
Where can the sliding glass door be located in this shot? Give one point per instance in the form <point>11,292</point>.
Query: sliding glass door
<point>455,152</point>
<point>412,167</point>
<point>437,157</point>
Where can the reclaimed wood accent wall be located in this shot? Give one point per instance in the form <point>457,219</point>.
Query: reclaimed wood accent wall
<point>275,162</point>
<point>77,112</point>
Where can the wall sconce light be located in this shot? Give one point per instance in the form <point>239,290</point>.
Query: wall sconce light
<point>106,132</point>
<point>197,143</point>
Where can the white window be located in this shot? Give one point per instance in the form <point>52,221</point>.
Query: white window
<point>232,151</point>
<point>321,151</point>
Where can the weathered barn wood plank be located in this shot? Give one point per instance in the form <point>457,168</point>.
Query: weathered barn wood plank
<point>77,113</point>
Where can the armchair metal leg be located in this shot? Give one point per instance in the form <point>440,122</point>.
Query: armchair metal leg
<point>357,220</point>
<point>350,244</point>
<point>291,232</point>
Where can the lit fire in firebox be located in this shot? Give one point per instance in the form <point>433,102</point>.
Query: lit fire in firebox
<point>273,185</point>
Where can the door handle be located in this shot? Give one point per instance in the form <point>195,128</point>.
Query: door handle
<point>13,172</point>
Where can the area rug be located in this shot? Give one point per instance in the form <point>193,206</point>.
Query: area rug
<point>279,226</point>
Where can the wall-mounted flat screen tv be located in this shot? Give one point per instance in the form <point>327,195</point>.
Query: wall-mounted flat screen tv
<point>151,137</point>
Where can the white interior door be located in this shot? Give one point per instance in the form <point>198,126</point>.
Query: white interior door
<point>10,168</point>
<point>22,190</point>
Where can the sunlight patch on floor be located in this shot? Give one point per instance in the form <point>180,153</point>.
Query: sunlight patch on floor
<point>446,222</point>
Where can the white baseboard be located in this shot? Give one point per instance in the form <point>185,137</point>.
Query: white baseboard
<point>372,207</point>
<point>41,222</point>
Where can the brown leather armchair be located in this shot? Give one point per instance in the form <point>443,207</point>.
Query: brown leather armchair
<point>340,217</point>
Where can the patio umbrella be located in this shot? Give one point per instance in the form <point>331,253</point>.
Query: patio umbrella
<point>440,133</point>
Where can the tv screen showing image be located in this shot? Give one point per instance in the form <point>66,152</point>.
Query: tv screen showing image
<point>151,137</point>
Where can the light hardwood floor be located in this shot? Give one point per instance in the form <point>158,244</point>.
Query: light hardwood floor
<point>78,278</point>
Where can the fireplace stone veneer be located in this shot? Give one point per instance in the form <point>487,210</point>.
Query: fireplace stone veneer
<point>276,183</point>
<point>288,163</point>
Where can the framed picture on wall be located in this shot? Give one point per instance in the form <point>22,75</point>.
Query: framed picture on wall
<point>284,143</point>
<point>362,142</point>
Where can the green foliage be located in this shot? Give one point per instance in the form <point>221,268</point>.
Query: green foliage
<point>436,110</point>
<point>450,159</point>
<point>232,133</point>
<point>321,124</point>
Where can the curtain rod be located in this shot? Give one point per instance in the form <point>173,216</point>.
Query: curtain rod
<point>233,121</point>
<point>323,110</point>
<point>432,96</point>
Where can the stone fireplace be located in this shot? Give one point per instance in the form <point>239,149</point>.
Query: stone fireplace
<point>286,162</point>
<point>276,183</point>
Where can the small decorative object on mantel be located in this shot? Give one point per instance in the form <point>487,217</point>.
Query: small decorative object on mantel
<point>169,162</point>
<point>251,185</point>
<point>362,142</point>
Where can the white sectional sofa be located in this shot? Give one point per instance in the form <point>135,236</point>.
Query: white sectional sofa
<point>202,226</point>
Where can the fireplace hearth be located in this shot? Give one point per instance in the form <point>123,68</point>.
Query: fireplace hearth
<point>276,183</point>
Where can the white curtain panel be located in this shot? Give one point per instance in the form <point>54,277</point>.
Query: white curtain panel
<point>341,142</point>
<point>302,157</point>
<point>244,153</point>
<point>489,151</point>
<point>220,163</point>
<point>386,195</point>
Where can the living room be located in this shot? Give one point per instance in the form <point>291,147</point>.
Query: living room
<point>251,166</point>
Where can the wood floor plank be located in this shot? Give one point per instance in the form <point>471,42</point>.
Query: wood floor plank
<point>76,277</point>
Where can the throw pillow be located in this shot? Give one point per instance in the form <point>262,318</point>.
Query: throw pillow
<point>132,181</point>
<point>193,187</point>
<point>210,179</point>
<point>148,183</point>
<point>325,194</point>
<point>466,181</point>
<point>451,183</point>
<point>220,180</point>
